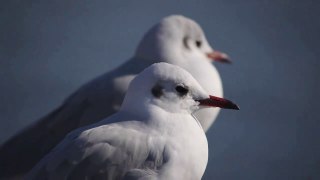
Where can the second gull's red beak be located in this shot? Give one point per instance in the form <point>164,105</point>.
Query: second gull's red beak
<point>219,57</point>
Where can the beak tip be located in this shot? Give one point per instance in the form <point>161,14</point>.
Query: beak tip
<point>226,61</point>
<point>235,107</point>
<point>232,105</point>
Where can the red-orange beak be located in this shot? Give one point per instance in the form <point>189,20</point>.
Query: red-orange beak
<point>219,57</point>
<point>214,101</point>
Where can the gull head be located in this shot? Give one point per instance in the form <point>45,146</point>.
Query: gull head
<point>177,40</point>
<point>169,88</point>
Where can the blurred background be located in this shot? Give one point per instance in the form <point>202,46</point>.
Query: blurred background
<point>49,48</point>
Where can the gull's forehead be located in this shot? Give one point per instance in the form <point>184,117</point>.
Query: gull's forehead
<point>181,23</point>
<point>163,41</point>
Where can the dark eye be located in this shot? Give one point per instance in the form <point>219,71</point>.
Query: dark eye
<point>182,90</point>
<point>198,44</point>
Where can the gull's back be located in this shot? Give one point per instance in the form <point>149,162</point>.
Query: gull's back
<point>102,152</point>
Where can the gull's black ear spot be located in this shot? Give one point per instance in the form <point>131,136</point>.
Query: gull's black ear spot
<point>157,91</point>
<point>182,90</point>
<point>185,42</point>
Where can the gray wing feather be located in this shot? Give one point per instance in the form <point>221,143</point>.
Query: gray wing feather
<point>141,174</point>
<point>98,153</point>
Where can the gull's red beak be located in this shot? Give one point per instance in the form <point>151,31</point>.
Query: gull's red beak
<point>219,57</point>
<point>213,101</point>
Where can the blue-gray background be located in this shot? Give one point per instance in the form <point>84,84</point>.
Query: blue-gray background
<point>49,48</point>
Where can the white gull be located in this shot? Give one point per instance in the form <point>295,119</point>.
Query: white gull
<point>152,136</point>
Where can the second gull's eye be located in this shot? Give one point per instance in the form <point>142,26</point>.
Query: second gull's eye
<point>198,44</point>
